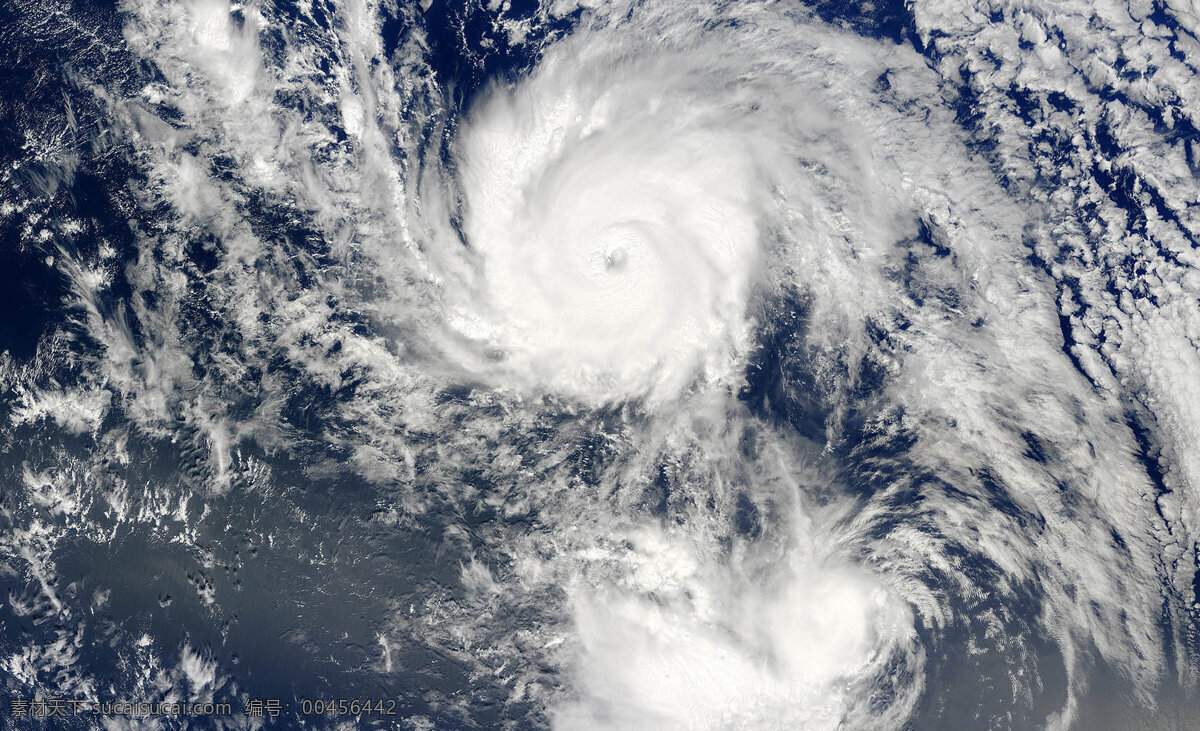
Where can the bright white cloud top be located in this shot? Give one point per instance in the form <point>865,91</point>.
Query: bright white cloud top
<point>616,220</point>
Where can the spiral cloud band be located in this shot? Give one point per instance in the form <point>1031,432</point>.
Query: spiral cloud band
<point>651,365</point>
<point>616,217</point>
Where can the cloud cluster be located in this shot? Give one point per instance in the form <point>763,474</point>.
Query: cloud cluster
<point>721,363</point>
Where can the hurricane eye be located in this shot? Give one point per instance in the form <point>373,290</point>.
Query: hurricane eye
<point>614,259</point>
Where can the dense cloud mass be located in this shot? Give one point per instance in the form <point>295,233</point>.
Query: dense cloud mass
<point>649,365</point>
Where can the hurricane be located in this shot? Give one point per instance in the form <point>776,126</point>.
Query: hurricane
<point>578,365</point>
